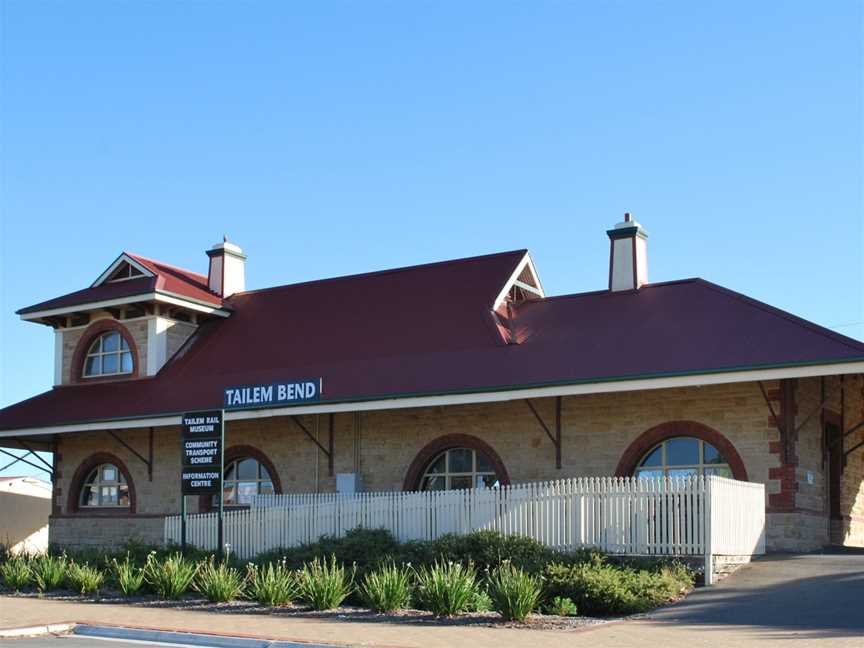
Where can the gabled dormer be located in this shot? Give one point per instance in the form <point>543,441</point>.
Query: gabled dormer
<point>124,268</point>
<point>523,285</point>
<point>133,318</point>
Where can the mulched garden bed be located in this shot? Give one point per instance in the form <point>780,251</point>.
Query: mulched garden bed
<point>343,613</point>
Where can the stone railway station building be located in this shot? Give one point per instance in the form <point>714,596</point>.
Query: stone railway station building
<point>447,375</point>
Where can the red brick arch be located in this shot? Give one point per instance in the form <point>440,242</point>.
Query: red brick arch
<point>650,438</point>
<point>77,483</point>
<point>93,331</point>
<point>448,442</point>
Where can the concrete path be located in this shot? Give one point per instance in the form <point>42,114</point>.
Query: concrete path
<point>816,600</point>
<point>820,595</point>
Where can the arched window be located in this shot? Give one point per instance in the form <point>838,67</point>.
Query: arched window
<point>683,456</point>
<point>459,468</point>
<point>108,355</point>
<point>455,461</point>
<point>104,487</point>
<point>244,478</point>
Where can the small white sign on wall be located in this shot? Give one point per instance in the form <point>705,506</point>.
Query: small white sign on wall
<point>810,477</point>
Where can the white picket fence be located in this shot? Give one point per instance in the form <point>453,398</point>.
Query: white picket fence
<point>670,516</point>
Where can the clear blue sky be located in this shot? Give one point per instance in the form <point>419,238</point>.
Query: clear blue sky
<point>329,138</point>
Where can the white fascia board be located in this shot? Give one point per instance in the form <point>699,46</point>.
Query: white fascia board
<point>105,303</point>
<point>525,262</point>
<point>187,302</point>
<point>613,386</point>
<point>164,297</point>
<point>123,258</point>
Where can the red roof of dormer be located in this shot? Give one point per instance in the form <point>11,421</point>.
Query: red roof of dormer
<point>165,278</point>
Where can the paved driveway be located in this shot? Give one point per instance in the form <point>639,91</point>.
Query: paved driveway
<point>814,594</point>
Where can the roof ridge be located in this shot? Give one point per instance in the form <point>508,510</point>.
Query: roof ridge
<point>374,273</point>
<point>779,312</point>
<point>602,291</point>
<point>140,257</point>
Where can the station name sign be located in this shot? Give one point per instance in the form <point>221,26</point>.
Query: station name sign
<point>278,393</point>
<point>202,441</point>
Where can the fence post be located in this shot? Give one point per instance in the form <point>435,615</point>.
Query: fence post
<point>709,548</point>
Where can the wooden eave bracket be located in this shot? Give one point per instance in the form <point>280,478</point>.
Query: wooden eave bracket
<point>146,461</point>
<point>23,459</point>
<point>328,451</point>
<point>555,438</point>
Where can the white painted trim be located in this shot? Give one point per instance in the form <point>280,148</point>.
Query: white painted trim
<point>192,304</point>
<point>525,262</point>
<point>160,296</point>
<point>157,344</point>
<point>123,258</point>
<point>58,356</point>
<point>526,287</point>
<point>698,380</point>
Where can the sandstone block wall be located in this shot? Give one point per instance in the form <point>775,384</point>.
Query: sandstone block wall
<point>596,431</point>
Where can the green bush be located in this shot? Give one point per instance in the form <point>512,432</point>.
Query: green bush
<point>365,548</point>
<point>480,602</point>
<point>127,576</point>
<point>16,573</point>
<point>271,584</point>
<point>446,589</point>
<point>514,592</point>
<point>219,583</point>
<point>488,549</point>
<point>170,577</point>
<point>561,606</point>
<point>388,588</point>
<point>84,578</point>
<point>606,590</point>
<point>325,585</point>
<point>49,571</point>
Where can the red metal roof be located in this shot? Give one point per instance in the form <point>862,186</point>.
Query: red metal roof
<point>428,330</point>
<point>166,278</point>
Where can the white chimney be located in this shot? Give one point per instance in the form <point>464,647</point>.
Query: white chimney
<point>227,273</point>
<point>628,256</point>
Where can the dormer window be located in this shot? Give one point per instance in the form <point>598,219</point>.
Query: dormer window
<point>109,355</point>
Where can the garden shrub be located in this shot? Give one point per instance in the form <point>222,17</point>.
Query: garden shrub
<point>171,576</point>
<point>49,571</point>
<point>272,584</point>
<point>325,585</point>
<point>514,592</point>
<point>219,583</point>
<point>606,590</point>
<point>387,588</point>
<point>446,589</point>
<point>127,576</point>
<point>481,601</point>
<point>561,606</point>
<point>84,578</point>
<point>16,573</point>
<point>488,549</point>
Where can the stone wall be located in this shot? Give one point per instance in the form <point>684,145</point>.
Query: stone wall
<point>137,328</point>
<point>799,512</point>
<point>381,445</point>
<point>178,332</point>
